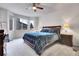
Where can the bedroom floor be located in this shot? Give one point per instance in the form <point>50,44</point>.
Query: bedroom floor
<point>19,48</point>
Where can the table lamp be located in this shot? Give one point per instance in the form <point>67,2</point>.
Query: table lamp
<point>66,27</point>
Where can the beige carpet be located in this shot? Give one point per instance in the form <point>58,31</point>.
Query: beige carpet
<point>19,48</point>
<point>59,50</point>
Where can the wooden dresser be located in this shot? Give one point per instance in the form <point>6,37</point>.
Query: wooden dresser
<point>66,39</point>
<point>1,42</point>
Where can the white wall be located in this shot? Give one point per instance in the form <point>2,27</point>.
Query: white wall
<point>50,20</point>
<point>4,22</point>
<point>3,19</point>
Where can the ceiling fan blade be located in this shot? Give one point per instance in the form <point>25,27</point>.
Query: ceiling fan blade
<point>39,8</point>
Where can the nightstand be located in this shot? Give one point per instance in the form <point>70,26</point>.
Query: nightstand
<point>66,39</point>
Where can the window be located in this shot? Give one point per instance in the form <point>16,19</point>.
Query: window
<point>18,24</point>
<point>11,23</point>
<point>24,24</point>
<point>23,21</point>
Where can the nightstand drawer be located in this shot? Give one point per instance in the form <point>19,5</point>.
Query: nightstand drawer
<point>66,39</point>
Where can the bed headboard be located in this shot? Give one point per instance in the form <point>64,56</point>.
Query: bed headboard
<point>51,26</point>
<point>57,28</point>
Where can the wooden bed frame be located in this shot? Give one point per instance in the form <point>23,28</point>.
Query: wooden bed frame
<point>54,27</point>
<point>59,26</point>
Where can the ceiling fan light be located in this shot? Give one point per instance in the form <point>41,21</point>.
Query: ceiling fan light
<point>34,8</point>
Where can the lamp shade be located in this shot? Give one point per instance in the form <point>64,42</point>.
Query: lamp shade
<point>66,26</point>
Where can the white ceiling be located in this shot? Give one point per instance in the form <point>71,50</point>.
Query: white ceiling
<point>25,8</point>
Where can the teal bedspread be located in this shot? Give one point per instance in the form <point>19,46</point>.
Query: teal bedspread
<point>38,39</point>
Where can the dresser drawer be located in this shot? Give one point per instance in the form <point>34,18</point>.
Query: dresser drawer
<point>1,50</point>
<point>66,39</point>
<point>1,42</point>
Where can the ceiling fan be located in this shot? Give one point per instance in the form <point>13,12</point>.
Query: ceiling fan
<point>36,6</point>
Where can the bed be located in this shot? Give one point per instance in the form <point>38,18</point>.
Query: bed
<point>39,40</point>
